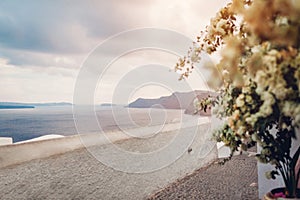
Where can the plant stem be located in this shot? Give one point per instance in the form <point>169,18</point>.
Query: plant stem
<point>283,174</point>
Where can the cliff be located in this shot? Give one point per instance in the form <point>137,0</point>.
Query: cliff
<point>178,100</point>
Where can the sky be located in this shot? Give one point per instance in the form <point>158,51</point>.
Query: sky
<point>43,45</point>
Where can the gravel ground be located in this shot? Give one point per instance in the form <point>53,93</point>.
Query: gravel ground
<point>78,175</point>
<point>237,179</point>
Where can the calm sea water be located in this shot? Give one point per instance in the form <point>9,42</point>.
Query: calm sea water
<point>24,124</point>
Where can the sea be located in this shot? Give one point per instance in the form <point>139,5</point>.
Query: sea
<point>25,124</point>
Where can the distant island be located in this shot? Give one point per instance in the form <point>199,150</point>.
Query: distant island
<point>16,105</point>
<point>52,104</point>
<point>108,104</point>
<point>177,100</point>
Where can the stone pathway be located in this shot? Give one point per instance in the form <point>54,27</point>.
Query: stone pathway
<point>235,180</point>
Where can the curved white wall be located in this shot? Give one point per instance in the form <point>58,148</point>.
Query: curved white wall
<point>22,152</point>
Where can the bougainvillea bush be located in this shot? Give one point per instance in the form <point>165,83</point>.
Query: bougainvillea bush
<point>259,44</point>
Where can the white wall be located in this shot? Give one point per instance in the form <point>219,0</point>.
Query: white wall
<point>22,152</point>
<point>5,140</point>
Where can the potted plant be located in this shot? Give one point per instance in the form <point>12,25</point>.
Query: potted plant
<point>259,41</point>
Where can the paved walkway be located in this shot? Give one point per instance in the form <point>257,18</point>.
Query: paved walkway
<point>78,175</point>
<point>237,179</point>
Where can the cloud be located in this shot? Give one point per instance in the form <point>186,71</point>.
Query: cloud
<point>35,85</point>
<point>56,26</point>
<point>44,43</point>
<point>29,59</point>
<point>73,26</point>
<point>35,32</point>
<point>77,26</point>
<point>150,68</point>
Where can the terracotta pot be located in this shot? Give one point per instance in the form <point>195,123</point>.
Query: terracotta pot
<point>270,195</point>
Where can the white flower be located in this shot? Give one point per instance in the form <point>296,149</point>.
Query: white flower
<point>246,90</point>
<point>261,79</point>
<point>270,60</point>
<point>236,114</point>
<point>266,111</point>
<point>296,4</point>
<point>292,109</point>
<point>254,137</point>
<point>241,130</point>
<point>268,98</point>
<point>240,102</point>
<point>266,108</point>
<point>256,49</point>
<point>289,108</point>
<point>249,99</point>
<point>221,26</point>
<point>282,21</point>
<point>195,57</point>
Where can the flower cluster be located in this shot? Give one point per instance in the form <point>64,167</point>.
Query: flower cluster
<point>259,41</point>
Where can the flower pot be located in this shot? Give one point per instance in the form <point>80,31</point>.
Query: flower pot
<point>275,194</point>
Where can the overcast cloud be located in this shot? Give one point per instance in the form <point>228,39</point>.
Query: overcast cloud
<point>40,37</point>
